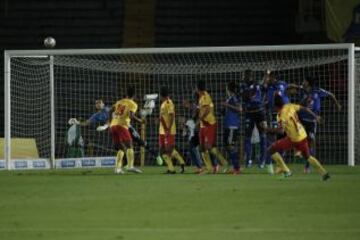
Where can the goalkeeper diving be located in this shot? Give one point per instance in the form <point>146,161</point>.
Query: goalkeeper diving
<point>101,119</point>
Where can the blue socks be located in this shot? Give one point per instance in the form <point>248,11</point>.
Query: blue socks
<point>263,145</point>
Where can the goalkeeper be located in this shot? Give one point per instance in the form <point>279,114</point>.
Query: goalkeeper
<point>102,116</point>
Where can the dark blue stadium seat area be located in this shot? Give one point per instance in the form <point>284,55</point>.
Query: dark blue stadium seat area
<point>208,22</point>
<point>74,24</point>
<point>100,24</point>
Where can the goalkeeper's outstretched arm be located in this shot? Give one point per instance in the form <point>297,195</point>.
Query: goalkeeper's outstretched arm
<point>85,123</point>
<point>332,96</point>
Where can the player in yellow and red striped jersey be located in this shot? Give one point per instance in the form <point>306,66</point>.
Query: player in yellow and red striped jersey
<point>124,112</point>
<point>207,135</point>
<point>296,136</point>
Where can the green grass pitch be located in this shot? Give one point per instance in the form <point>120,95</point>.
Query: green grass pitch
<point>98,205</point>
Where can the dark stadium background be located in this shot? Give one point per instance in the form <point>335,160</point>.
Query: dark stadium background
<point>101,24</point>
<point>157,23</point>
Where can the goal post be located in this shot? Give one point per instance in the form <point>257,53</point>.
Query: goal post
<point>7,111</point>
<point>44,88</point>
<point>356,89</point>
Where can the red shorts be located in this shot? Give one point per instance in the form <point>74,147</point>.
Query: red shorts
<point>286,144</point>
<point>120,134</point>
<point>207,134</point>
<point>166,140</point>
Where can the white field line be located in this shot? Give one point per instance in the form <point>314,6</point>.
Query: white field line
<point>170,230</point>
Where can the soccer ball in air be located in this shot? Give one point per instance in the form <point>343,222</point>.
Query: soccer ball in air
<point>49,42</point>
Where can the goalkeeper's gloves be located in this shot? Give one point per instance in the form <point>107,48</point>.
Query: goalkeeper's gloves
<point>73,121</point>
<point>102,128</point>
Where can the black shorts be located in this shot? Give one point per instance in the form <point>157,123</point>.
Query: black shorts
<point>194,141</point>
<point>255,117</point>
<point>252,119</point>
<point>231,136</point>
<point>310,128</point>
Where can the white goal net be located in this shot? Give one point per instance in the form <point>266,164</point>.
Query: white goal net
<point>37,120</point>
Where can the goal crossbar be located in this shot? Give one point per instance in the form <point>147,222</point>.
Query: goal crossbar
<point>25,53</point>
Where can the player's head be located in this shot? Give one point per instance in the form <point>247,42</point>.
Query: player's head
<point>248,76</point>
<point>99,104</point>
<point>309,82</point>
<point>278,102</point>
<point>164,92</point>
<point>130,91</point>
<point>231,88</point>
<point>200,86</point>
<point>272,77</point>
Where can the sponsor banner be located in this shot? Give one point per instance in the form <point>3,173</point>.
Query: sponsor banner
<point>26,164</point>
<point>87,162</point>
<point>108,162</point>
<point>2,164</point>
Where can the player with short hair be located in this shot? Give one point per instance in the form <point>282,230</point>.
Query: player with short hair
<point>124,112</point>
<point>232,125</point>
<point>252,94</point>
<point>311,97</point>
<point>167,132</point>
<point>273,87</point>
<point>207,133</point>
<point>296,137</point>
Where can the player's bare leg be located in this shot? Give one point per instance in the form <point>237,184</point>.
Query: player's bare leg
<point>119,159</point>
<point>130,156</point>
<point>212,150</point>
<point>206,157</point>
<point>176,155</point>
<point>281,165</point>
<point>317,165</point>
<point>166,155</point>
<point>311,140</point>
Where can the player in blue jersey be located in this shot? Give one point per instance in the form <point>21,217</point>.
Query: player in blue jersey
<point>252,94</point>
<point>231,125</point>
<point>273,87</point>
<point>101,116</point>
<point>311,97</point>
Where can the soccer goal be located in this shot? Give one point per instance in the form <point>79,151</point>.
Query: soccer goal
<point>45,88</point>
